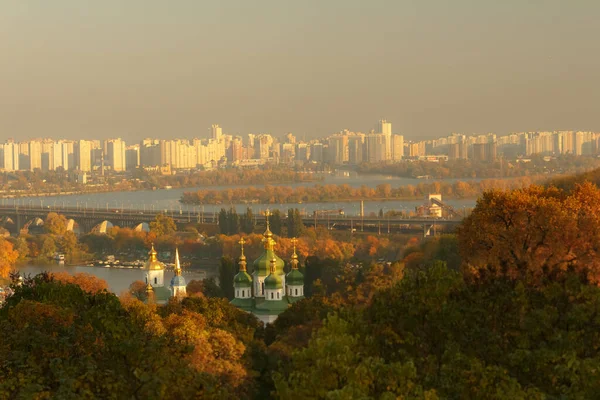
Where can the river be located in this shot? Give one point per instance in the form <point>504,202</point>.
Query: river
<point>167,200</point>
<point>118,279</point>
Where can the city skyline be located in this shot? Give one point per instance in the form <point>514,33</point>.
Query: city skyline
<point>381,145</point>
<point>151,69</point>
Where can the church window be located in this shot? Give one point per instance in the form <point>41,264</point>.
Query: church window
<point>155,280</point>
<point>262,289</point>
<point>237,293</point>
<point>271,295</point>
<point>278,295</point>
<point>296,292</point>
<point>243,293</point>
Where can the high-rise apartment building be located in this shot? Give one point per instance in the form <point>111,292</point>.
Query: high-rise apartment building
<point>84,155</point>
<point>356,144</point>
<point>235,150</point>
<point>9,156</point>
<point>132,157</point>
<point>35,155</point>
<point>375,148</point>
<point>216,132</point>
<point>338,148</point>
<point>114,155</point>
<point>385,128</point>
<point>397,147</point>
<point>150,155</point>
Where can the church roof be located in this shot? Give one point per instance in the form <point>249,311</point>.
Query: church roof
<point>294,277</point>
<point>153,264</point>
<point>273,281</point>
<point>178,280</point>
<point>160,294</point>
<point>270,307</point>
<point>244,304</point>
<point>242,279</point>
<point>261,264</point>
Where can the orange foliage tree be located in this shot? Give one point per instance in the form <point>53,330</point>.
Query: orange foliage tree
<point>8,257</point>
<point>87,282</point>
<point>533,233</point>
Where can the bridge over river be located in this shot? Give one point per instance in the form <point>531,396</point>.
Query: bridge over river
<point>87,219</point>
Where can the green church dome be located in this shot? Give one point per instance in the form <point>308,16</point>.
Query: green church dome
<point>294,278</point>
<point>242,279</point>
<point>273,281</point>
<point>262,264</point>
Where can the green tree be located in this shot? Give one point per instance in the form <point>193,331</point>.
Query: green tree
<point>227,271</point>
<point>247,221</point>
<point>48,247</point>
<point>295,225</point>
<point>275,222</point>
<point>336,365</point>
<point>223,222</point>
<point>22,248</point>
<point>163,225</point>
<point>233,222</point>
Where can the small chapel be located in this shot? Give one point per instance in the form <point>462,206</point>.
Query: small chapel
<point>154,275</point>
<point>269,291</point>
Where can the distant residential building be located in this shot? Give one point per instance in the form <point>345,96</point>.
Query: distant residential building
<point>385,128</point>
<point>115,155</point>
<point>397,147</point>
<point>9,153</point>
<point>216,132</point>
<point>132,157</point>
<point>35,155</point>
<point>375,148</point>
<point>84,155</point>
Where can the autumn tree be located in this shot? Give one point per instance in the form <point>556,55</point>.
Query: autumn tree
<point>55,224</point>
<point>163,225</point>
<point>59,341</point>
<point>8,257</point>
<point>48,248</point>
<point>533,234</point>
<point>87,282</point>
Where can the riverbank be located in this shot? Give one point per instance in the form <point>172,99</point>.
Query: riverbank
<point>118,279</point>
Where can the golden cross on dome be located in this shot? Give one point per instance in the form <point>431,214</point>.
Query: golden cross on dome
<point>294,241</point>
<point>242,242</point>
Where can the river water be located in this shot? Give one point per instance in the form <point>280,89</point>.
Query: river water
<point>163,200</point>
<point>118,279</point>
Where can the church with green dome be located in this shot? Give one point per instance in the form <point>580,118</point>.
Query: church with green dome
<point>268,291</point>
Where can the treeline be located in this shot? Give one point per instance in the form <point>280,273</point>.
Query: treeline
<point>568,183</point>
<point>536,165</point>
<point>230,223</point>
<point>325,193</point>
<point>230,176</point>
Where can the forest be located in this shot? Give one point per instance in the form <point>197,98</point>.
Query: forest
<point>508,307</point>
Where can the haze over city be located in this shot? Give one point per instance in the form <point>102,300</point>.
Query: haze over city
<point>154,69</point>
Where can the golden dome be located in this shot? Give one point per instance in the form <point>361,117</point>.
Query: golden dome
<point>153,264</point>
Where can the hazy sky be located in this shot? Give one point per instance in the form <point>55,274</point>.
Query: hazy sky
<point>137,68</point>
